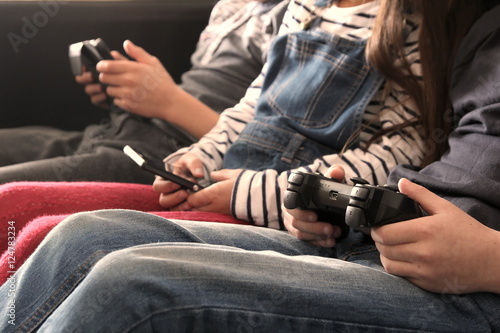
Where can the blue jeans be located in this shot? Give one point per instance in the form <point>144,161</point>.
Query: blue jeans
<point>123,271</point>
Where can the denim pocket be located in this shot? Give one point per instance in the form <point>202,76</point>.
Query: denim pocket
<point>263,146</point>
<point>314,77</point>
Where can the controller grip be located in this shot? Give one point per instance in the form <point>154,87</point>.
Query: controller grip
<point>293,200</point>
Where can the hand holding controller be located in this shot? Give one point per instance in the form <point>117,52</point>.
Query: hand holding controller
<point>359,206</point>
<point>325,196</point>
<point>86,55</point>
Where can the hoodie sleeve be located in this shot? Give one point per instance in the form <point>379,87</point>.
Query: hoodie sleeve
<point>469,173</point>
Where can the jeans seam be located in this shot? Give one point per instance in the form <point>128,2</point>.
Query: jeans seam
<point>284,315</point>
<point>357,250</point>
<point>59,294</point>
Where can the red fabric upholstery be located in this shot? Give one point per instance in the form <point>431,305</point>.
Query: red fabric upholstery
<point>47,204</point>
<point>23,201</point>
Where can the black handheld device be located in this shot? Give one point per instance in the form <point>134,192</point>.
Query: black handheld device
<point>359,206</point>
<point>87,54</point>
<point>159,170</point>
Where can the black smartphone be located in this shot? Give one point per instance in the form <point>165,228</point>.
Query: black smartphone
<point>159,170</point>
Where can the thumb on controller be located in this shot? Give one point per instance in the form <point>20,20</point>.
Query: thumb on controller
<point>336,172</point>
<point>430,202</point>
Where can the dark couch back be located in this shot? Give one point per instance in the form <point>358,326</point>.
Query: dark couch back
<point>36,84</point>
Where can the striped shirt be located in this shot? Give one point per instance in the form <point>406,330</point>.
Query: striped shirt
<point>257,196</point>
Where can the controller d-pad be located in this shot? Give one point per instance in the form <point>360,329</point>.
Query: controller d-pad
<point>355,217</point>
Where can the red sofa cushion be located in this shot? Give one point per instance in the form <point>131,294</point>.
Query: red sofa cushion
<point>32,209</point>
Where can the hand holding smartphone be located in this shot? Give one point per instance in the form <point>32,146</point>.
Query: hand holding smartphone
<point>158,169</point>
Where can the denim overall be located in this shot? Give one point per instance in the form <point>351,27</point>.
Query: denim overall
<point>313,99</point>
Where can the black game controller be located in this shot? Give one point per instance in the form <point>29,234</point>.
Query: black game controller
<point>359,206</point>
<point>87,54</point>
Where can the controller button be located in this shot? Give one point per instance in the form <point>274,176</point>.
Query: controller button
<point>296,179</point>
<point>359,180</point>
<point>292,200</point>
<point>360,193</point>
<point>355,217</point>
<point>334,195</point>
<point>392,187</point>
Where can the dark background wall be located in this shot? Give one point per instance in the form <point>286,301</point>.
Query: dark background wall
<point>36,84</point>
